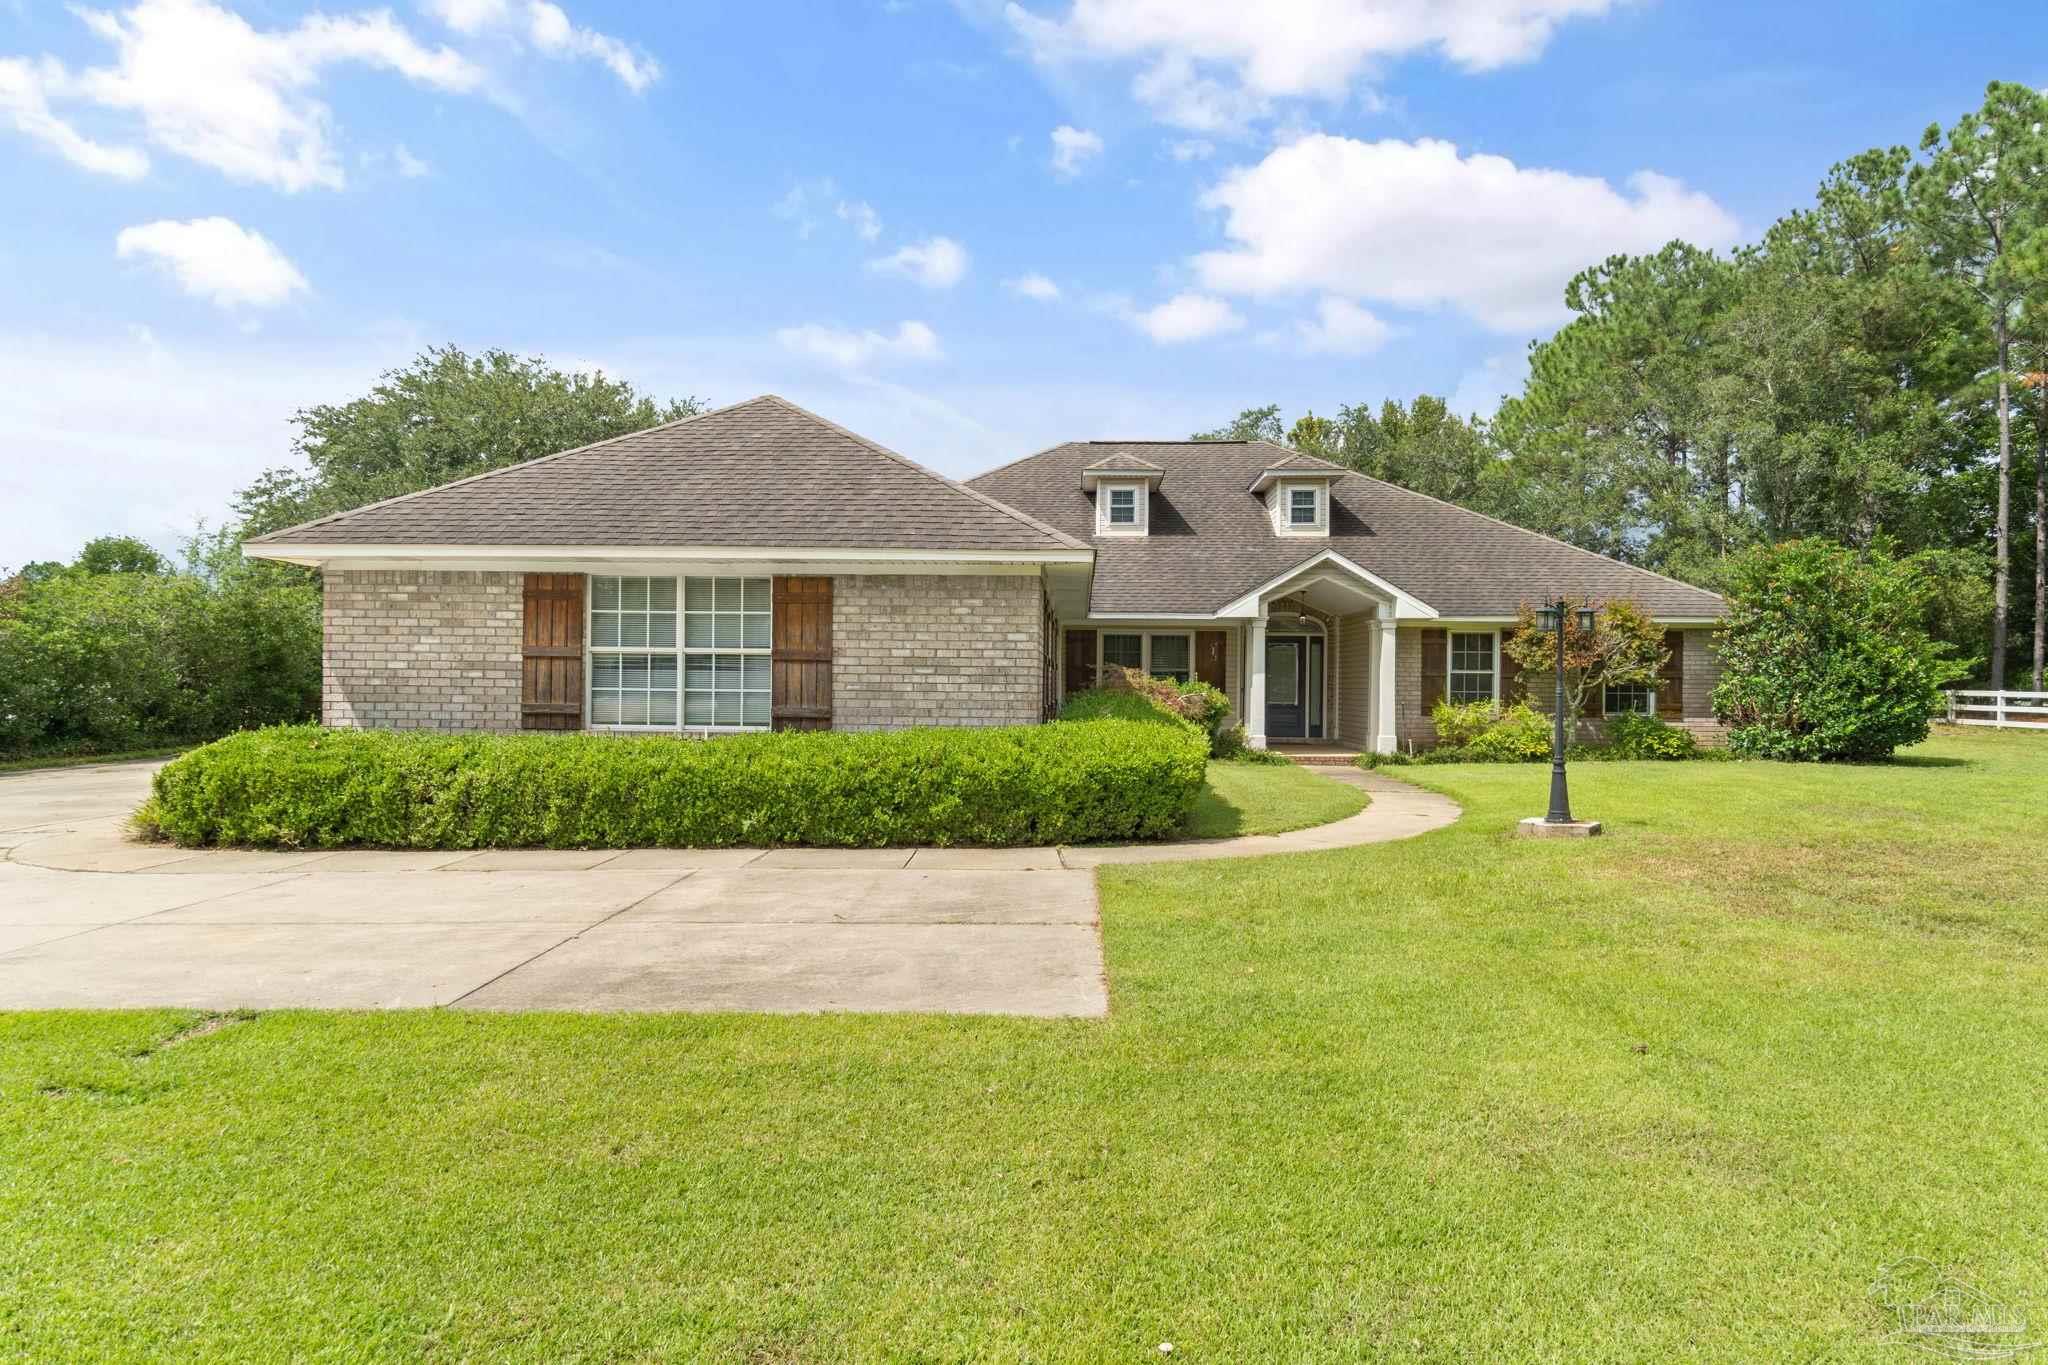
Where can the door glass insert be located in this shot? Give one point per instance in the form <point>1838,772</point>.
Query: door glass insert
<point>1315,689</point>
<point>1283,673</point>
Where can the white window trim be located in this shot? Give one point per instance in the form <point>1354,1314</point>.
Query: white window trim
<point>1140,501</point>
<point>1283,508</point>
<point>1145,650</point>
<point>1606,712</point>
<point>1315,510</point>
<point>679,650</point>
<point>1451,653</point>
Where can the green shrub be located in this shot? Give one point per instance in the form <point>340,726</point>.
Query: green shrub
<point>1824,653</point>
<point>305,787</point>
<point>1117,703</point>
<point>1195,702</point>
<point>1640,736</point>
<point>1520,734</point>
<point>1458,723</point>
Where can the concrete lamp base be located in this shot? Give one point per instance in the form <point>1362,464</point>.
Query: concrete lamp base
<point>1536,827</point>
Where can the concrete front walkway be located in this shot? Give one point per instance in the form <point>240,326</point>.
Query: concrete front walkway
<point>90,918</point>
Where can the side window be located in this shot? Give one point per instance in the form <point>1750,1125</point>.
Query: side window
<point>1471,672</point>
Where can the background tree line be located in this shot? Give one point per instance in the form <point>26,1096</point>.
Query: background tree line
<point>124,649</point>
<point>1873,371</point>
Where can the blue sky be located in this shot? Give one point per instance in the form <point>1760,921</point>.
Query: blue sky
<point>968,230</point>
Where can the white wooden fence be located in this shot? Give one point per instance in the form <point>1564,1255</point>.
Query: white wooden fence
<point>2006,710</point>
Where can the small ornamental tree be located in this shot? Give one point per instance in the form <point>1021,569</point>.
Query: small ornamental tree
<point>1824,655</point>
<point>1623,649</point>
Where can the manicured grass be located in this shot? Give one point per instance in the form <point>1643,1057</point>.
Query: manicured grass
<point>35,761</point>
<point>1672,1094</point>
<point>1267,798</point>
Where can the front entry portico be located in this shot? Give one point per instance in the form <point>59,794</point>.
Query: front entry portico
<point>1325,622</point>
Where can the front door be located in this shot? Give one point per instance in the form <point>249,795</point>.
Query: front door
<point>1286,714</point>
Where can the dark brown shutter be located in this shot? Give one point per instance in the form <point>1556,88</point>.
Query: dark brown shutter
<point>1511,686</point>
<point>1435,665</point>
<point>1080,661</point>
<point>551,653</point>
<point>1209,650</point>
<point>1595,705</point>
<point>802,656</point>
<point>1671,678</point>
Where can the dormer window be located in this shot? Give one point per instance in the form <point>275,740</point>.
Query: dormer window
<point>1123,507</point>
<point>1123,486</point>
<point>1304,507</point>
<point>1296,492</point>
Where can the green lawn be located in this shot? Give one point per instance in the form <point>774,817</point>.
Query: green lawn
<point>1672,1094</point>
<point>1268,798</point>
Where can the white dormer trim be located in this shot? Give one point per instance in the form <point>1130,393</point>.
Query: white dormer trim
<point>1112,497</point>
<point>1313,494</point>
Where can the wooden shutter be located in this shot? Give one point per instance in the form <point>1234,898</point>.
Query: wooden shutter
<point>801,660</point>
<point>551,653</point>
<point>1435,665</point>
<point>1512,687</point>
<point>1080,661</point>
<point>1671,679</point>
<point>1209,651</point>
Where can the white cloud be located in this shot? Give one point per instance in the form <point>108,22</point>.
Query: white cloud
<point>1072,149</point>
<point>1184,317</point>
<point>1343,328</point>
<point>861,217</point>
<point>850,350</point>
<point>209,87</point>
<point>409,166</point>
<point>936,263</point>
<point>1217,63</point>
<point>24,103</point>
<point>1191,149</point>
<point>548,28</point>
<point>1416,225</point>
<point>216,259</point>
<point>1033,286</point>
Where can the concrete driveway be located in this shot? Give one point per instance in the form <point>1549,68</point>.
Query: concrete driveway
<point>652,929</point>
<point>91,919</point>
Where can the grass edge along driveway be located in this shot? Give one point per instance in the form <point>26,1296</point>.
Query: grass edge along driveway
<point>1678,1092</point>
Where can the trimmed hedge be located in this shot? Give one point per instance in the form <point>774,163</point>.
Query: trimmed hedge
<point>307,787</point>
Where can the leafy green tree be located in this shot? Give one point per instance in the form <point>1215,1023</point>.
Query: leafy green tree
<point>1614,443</point>
<point>1825,654</point>
<point>1980,207</point>
<point>118,554</point>
<point>1253,424</point>
<point>1624,648</point>
<point>445,416</point>
<point>1424,446</point>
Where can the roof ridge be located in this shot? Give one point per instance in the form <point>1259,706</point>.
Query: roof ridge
<point>1540,535</point>
<point>1023,459</point>
<point>1058,535</point>
<point>276,536</point>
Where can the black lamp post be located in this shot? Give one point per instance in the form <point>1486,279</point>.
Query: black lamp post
<point>1551,618</point>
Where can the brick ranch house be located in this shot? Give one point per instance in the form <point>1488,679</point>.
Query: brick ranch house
<point>758,567</point>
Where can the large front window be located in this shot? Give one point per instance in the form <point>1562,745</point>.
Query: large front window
<point>713,674</point>
<point>1158,655</point>
<point>1628,699</point>
<point>1472,670</point>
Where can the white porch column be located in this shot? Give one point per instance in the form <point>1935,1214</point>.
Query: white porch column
<point>1384,684</point>
<point>1255,685</point>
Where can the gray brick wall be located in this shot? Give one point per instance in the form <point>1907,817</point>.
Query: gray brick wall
<point>931,649</point>
<point>422,649</point>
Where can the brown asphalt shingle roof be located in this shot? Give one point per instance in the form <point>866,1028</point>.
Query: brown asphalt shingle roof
<point>759,473</point>
<point>1211,542</point>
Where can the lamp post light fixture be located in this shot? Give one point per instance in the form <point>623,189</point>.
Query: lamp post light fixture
<point>1551,617</point>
